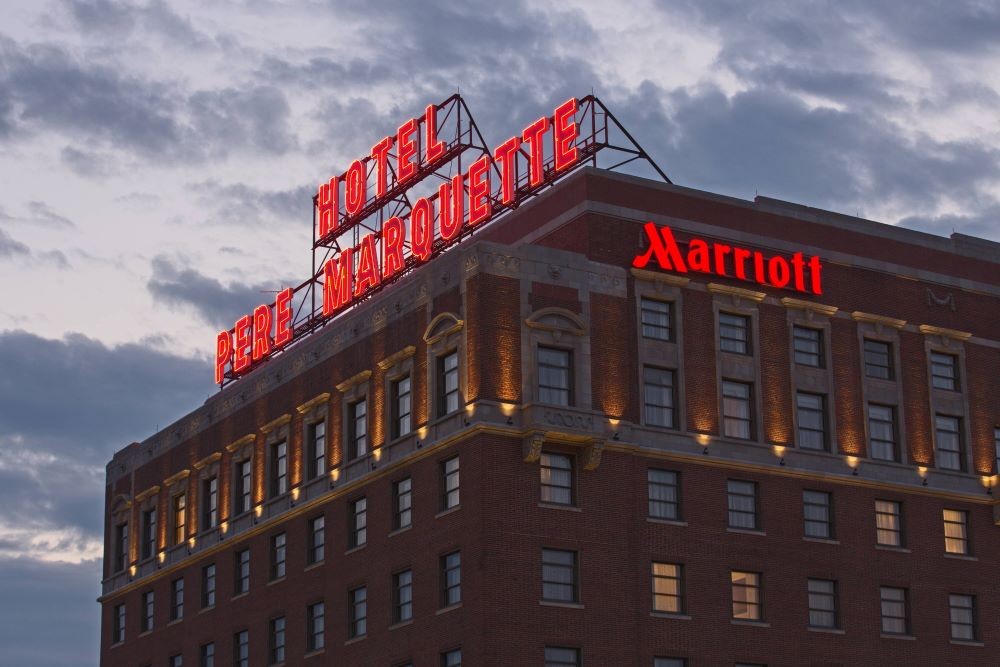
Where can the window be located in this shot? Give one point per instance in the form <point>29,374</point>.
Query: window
<point>895,611</point>
<point>357,429</point>
<point>451,579</point>
<point>734,333</point>
<point>276,644</point>
<point>401,407</point>
<point>882,432</point>
<point>176,661</point>
<point>822,603</point>
<point>807,346</point>
<point>956,532</point>
<point>888,523</point>
<point>561,656</point>
<point>559,575</point>
<point>315,626</point>
<point>669,662</point>
<point>241,579</point>
<point>316,451</point>
<point>317,540</point>
<point>556,478</point>
<point>146,622</point>
<point>279,469</point>
<point>962,611</point>
<point>737,410</point>
<point>210,503</point>
<point>402,596</point>
<point>996,446</point>
<point>277,556</point>
<point>668,588</point>
<point>944,371</point>
<point>207,655</point>
<point>659,397</point>
<point>177,599</point>
<point>358,523</point>
<point>742,504</point>
<point>447,383</point>
<point>747,604</point>
<point>148,533</point>
<point>555,381</point>
<point>243,487</point>
<point>449,483</point>
<point>208,586</point>
<point>402,503</point>
<point>118,628</point>
<point>878,359</point>
<point>241,649</point>
<point>121,546</point>
<point>811,417</point>
<point>180,518</point>
<point>657,319</point>
<point>950,448</point>
<point>452,658</point>
<point>358,612</point>
<point>664,494</point>
<point>817,509</point>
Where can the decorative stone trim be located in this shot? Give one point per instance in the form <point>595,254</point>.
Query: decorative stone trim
<point>431,335</point>
<point>394,359</point>
<point>533,448</point>
<point>809,306</point>
<point>592,454</point>
<point>176,477</point>
<point>575,327</point>
<point>151,491</point>
<point>660,278</point>
<point>878,319</point>
<point>353,381</point>
<point>245,440</point>
<point>929,330</point>
<point>312,403</point>
<point>736,292</point>
<point>207,461</point>
<point>275,423</point>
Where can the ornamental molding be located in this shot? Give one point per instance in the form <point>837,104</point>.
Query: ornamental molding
<point>176,477</point>
<point>592,454</point>
<point>533,448</point>
<point>809,306</point>
<point>275,423</point>
<point>207,461</point>
<point>394,359</point>
<point>237,444</point>
<point>878,319</point>
<point>736,292</point>
<point>660,278</point>
<point>353,381</point>
<point>313,403</point>
<point>148,493</point>
<point>929,330</point>
<point>438,329</point>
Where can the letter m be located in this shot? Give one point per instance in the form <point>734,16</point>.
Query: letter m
<point>663,247</point>
<point>337,278</point>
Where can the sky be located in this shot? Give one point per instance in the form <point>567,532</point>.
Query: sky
<point>157,162</point>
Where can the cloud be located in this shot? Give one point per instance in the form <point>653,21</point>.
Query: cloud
<point>122,20</point>
<point>9,247</point>
<point>238,203</point>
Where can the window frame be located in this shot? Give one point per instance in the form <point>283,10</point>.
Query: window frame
<point>573,568</point>
<point>177,599</point>
<point>898,530</point>
<point>178,511</point>
<point>905,618</point>
<point>671,408</point>
<point>445,568</point>
<point>316,548</point>
<point>316,638</point>
<point>736,321</point>
<point>276,640</point>
<point>357,525</point>
<point>961,519</point>
<point>396,413</point>
<point>357,612</point>
<point>209,503</point>
<point>148,616</point>
<point>402,517</point>
<point>819,353</point>
<point>869,352</point>
<point>750,421</point>
<point>950,382</point>
<point>402,596</point>
<point>757,586</point>
<point>893,422</point>
<point>443,372</point>
<point>357,443</point>
<point>242,486</point>
<point>731,510</point>
<point>958,435</point>
<point>209,589</point>
<point>832,595</point>
<point>824,419</point>
<point>241,579</point>
<point>316,446</point>
<point>543,391</point>
<point>675,503</point>
<point>569,470</point>
<point>828,523</point>
<point>561,661</point>
<point>678,596</point>
<point>669,312</point>
<point>973,617</point>
<point>278,469</point>
<point>148,533</point>
<point>450,496</point>
<point>278,547</point>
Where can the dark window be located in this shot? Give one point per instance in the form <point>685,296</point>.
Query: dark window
<point>317,449</point>
<point>279,469</point>
<point>747,599</point>
<point>452,658</point>
<point>811,413</point>
<point>818,511</point>
<point>996,447</point>
<point>451,579</point>
<point>878,359</point>
<point>556,478</point>
<point>148,533</point>
<point>962,612</point>
<point>208,586</point>
<point>243,487</point>
<point>402,596</point>
<point>176,661</point>
<point>668,588</point>
<point>888,523</point>
<point>358,612</point>
<point>664,494</point>
<point>562,656</point>
<point>808,346</point>
<point>401,407</point>
<point>956,532</point>
<point>180,518</point>
<point>241,649</point>
<point>177,599</point>
<point>241,580</point>
<point>449,483</point>
<point>895,610</point>
<point>447,383</point>
<point>734,333</point>
<point>276,652</point>
<point>207,655</point>
<point>315,626</point>
<point>944,371</point>
<point>822,603</point>
<point>277,556</point>
<point>659,397</point>
<point>357,429</point>
<point>737,410</point>
<point>669,662</point>
<point>657,319</point>
<point>555,376</point>
<point>357,523</point>
<point>742,504</point>
<point>317,539</point>
<point>559,580</point>
<point>402,503</point>
<point>882,431</point>
<point>121,546</point>
<point>118,629</point>
<point>950,445</point>
<point>147,611</point>
<point>210,503</point>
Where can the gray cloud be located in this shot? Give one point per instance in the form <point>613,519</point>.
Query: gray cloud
<point>122,20</point>
<point>9,247</point>
<point>238,203</point>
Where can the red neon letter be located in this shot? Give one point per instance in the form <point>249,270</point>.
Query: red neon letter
<point>799,270</point>
<point>283,317</point>
<point>379,153</point>
<point>564,132</point>
<point>328,203</point>
<point>777,271</point>
<point>433,147</point>
<point>393,233</point>
<point>368,273</point>
<point>242,359</point>
<point>662,246</point>
<point>480,206</point>
<point>451,201</point>
<point>406,147</point>
<point>223,351</point>
<point>505,153</point>
<point>814,272</point>
<point>355,188</point>
<point>532,136</point>
<point>337,274</point>
<point>422,229</point>
<point>261,331</point>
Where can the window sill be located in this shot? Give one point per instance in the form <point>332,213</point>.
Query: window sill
<point>884,547</point>
<point>313,654</point>
<point>356,549</point>
<point>820,540</point>
<point>117,644</point>
<point>829,631</point>
<point>565,605</point>
<point>904,637</point>
<point>174,622</point>
<point>746,531</point>
<point>401,624</point>
<point>355,640</point>
<point>666,614</point>
<point>963,642</point>
<point>399,531</point>
<point>557,506</point>
<point>241,595</point>
<point>445,610</point>
<point>313,566</point>
<point>210,607</point>
<point>960,556</point>
<point>275,581</point>
<point>666,522</point>
<point>756,624</point>
<point>145,633</point>
<point>448,511</point>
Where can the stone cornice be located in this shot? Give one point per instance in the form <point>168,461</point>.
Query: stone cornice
<point>658,277</point>
<point>207,461</point>
<point>728,290</point>
<point>352,381</point>
<point>878,319</point>
<point>275,423</point>
<point>313,403</point>
<point>248,438</point>
<point>929,330</point>
<point>819,308</point>
<point>394,359</point>
<point>176,477</point>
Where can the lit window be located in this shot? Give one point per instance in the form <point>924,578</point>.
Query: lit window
<point>808,346</point>
<point>888,523</point>
<point>121,546</point>
<point>822,603</point>
<point>878,359</point>
<point>279,469</point>
<point>357,428</point>
<point>447,376</point>
<point>358,612</point>
<point>147,611</point>
<point>956,532</point>
<point>451,579</point>
<point>562,656</point>
<point>452,658</point>
<point>657,319</point>
<point>950,449</point>
<point>668,588</point>
<point>180,518</point>
<point>555,376</point>
<point>401,407</point>
<point>277,556</point>
<point>210,503</point>
<point>317,539</point>
<point>241,579</point>
<point>742,498</point>
<point>207,653</point>
<point>895,610</point>
<point>243,487</point>
<point>962,612</point>
<point>816,507</point>
<point>118,629</point>
<point>811,417</point>
<point>316,629</point>
<point>402,596</point>
<point>208,586</point>
<point>316,450</point>
<point>358,523</point>
<point>241,649</point>
<point>449,483</point>
<point>177,599</point>
<point>737,410</point>
<point>559,575</point>
<point>747,604</point>
<point>276,653</point>
<point>944,371</point>
<point>664,494</point>
<point>659,397</point>
<point>734,333</point>
<point>148,533</point>
<point>882,432</point>
<point>556,478</point>
<point>402,503</point>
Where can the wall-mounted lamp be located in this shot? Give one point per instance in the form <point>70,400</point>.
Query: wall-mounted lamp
<point>854,463</point>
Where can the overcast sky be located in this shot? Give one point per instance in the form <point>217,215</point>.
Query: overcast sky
<point>157,161</point>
